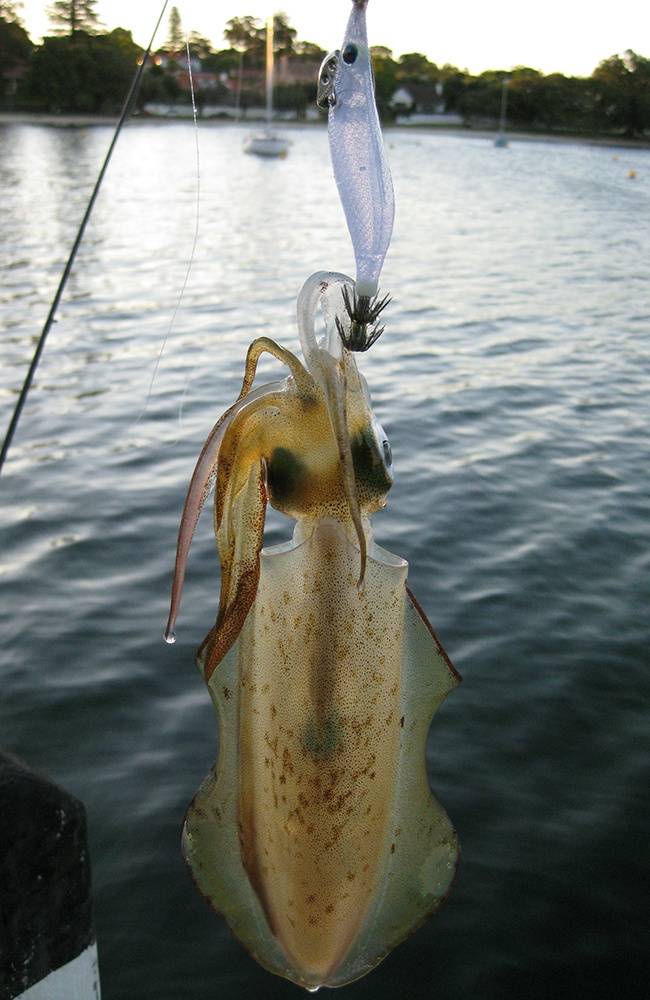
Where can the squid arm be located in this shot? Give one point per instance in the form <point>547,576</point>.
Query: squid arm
<point>332,374</point>
<point>205,471</point>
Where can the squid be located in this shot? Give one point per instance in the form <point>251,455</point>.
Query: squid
<point>316,834</point>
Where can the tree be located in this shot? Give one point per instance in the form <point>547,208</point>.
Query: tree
<point>123,39</point>
<point>381,52</point>
<point>226,61</point>
<point>453,81</point>
<point>175,33</point>
<point>199,46</point>
<point>158,87</point>
<point>525,95</point>
<point>9,11</point>
<point>245,34</point>
<point>385,73</point>
<point>71,16</point>
<point>15,51</point>
<point>415,66</point>
<point>564,102</point>
<point>81,73</point>
<point>295,96</point>
<point>283,35</point>
<point>309,50</point>
<point>622,93</point>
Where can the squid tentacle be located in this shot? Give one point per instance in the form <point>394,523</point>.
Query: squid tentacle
<point>205,471</point>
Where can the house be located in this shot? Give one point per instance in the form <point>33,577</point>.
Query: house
<point>177,60</point>
<point>422,103</point>
<point>200,80</point>
<point>419,97</point>
<point>290,70</point>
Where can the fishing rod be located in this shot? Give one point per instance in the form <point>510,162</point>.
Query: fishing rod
<point>130,97</point>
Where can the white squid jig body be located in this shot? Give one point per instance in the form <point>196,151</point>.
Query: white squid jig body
<point>361,170</point>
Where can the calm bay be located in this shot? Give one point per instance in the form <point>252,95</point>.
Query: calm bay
<point>513,380</point>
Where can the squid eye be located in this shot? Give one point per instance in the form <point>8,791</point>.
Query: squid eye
<point>350,53</point>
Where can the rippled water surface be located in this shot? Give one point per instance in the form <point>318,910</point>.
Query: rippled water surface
<point>514,382</point>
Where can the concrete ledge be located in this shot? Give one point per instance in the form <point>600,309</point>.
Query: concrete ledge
<point>45,900</point>
<point>78,980</point>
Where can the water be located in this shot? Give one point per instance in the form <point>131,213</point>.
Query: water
<point>513,380</point>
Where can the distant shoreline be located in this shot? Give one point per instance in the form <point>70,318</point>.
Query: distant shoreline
<point>87,121</point>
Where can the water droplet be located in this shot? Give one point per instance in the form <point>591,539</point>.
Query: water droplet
<point>169,636</point>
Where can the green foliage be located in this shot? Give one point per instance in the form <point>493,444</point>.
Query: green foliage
<point>88,72</point>
<point>295,97</point>
<point>309,50</point>
<point>225,61</point>
<point>80,74</point>
<point>248,34</point>
<point>245,34</point>
<point>175,34</point>
<point>158,87</point>
<point>621,88</point>
<point>70,16</point>
<point>199,46</point>
<point>9,10</point>
<point>283,35</point>
<point>415,66</point>
<point>15,51</point>
<point>123,40</point>
<point>453,84</point>
<point>384,68</point>
<point>534,101</point>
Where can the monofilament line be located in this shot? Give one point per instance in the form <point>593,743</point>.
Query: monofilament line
<point>195,240</point>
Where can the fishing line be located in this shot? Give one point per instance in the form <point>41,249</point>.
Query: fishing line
<point>198,203</point>
<point>130,97</point>
<point>191,258</point>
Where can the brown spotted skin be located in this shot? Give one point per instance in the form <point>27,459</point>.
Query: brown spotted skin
<point>316,835</point>
<point>319,723</point>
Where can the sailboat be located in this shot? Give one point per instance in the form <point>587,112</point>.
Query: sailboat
<point>268,142</point>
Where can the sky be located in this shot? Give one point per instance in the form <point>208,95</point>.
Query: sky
<point>565,36</point>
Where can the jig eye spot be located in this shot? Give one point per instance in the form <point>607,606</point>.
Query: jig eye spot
<point>350,53</point>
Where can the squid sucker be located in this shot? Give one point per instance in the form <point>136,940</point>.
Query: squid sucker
<point>316,834</point>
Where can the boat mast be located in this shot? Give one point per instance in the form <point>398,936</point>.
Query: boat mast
<point>501,140</point>
<point>269,70</point>
<point>504,104</point>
